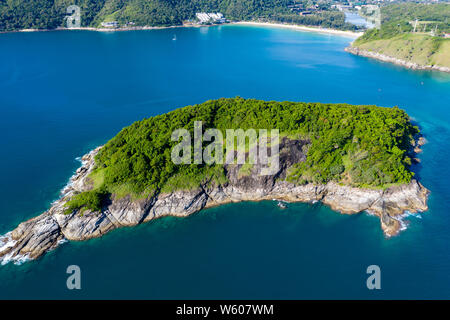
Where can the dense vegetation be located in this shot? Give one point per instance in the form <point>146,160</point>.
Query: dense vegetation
<point>363,146</point>
<point>325,19</point>
<point>49,14</point>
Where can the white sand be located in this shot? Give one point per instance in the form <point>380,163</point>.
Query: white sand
<point>303,28</point>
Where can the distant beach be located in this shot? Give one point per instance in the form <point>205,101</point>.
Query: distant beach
<point>249,23</point>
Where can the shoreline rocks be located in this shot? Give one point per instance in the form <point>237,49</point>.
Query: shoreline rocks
<point>382,57</point>
<point>32,238</point>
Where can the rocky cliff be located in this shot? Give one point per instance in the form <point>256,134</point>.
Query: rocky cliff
<point>32,238</point>
<point>400,62</point>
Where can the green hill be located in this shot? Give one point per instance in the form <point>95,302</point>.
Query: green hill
<point>365,146</point>
<point>422,49</point>
<point>400,36</point>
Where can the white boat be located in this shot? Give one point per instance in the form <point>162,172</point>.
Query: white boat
<point>281,205</point>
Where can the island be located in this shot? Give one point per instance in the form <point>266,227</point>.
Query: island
<point>416,36</point>
<point>353,158</point>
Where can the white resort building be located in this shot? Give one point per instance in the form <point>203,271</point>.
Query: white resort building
<point>110,24</point>
<point>204,17</point>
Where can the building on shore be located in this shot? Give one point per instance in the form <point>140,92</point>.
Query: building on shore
<point>205,18</point>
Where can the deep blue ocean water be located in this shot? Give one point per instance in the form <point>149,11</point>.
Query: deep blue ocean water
<point>63,93</point>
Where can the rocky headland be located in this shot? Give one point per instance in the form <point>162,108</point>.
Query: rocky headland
<point>32,238</point>
<point>382,57</point>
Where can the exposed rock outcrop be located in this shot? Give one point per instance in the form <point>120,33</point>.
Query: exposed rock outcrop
<point>32,238</point>
<point>397,61</point>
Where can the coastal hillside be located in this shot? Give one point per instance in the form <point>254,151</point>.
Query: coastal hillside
<point>50,14</point>
<point>420,49</point>
<point>351,158</point>
<point>414,35</point>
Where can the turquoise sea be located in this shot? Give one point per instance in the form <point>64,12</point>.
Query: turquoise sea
<point>63,93</point>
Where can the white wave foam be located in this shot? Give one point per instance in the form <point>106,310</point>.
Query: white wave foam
<point>21,259</point>
<point>403,219</point>
<point>403,224</point>
<point>370,213</point>
<point>69,184</point>
<point>6,242</point>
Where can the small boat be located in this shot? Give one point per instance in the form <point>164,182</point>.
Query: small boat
<point>281,205</point>
<point>174,37</point>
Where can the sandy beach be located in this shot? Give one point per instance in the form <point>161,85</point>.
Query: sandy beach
<point>302,28</point>
<point>249,23</point>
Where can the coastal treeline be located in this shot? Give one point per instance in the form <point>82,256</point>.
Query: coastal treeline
<point>50,14</point>
<point>44,14</point>
<point>363,146</point>
<point>325,19</point>
<point>400,18</point>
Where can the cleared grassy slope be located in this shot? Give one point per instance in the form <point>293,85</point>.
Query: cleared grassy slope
<point>442,56</point>
<point>422,49</point>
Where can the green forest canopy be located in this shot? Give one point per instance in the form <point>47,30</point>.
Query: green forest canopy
<point>364,146</point>
<point>49,14</point>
